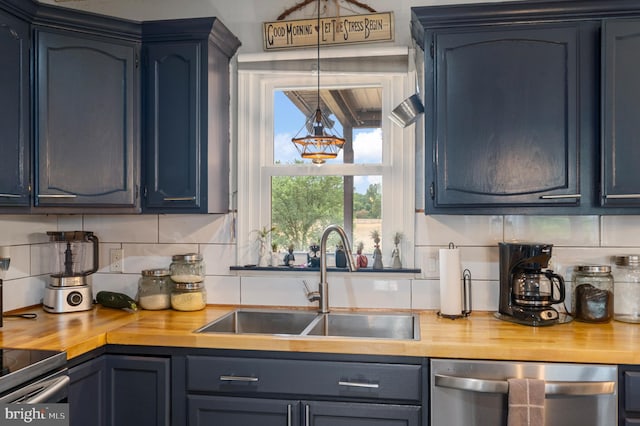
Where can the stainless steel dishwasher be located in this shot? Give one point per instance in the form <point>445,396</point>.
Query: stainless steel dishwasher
<point>474,393</point>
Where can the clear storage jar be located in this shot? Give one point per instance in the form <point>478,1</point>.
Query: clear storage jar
<point>154,289</point>
<point>187,268</point>
<point>188,296</point>
<point>626,274</point>
<point>592,293</point>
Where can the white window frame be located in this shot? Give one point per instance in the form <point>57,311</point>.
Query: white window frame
<point>255,165</point>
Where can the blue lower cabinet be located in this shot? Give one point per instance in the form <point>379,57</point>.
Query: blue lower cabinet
<point>120,390</point>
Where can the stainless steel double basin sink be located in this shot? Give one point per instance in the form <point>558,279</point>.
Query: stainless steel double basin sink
<point>306,323</point>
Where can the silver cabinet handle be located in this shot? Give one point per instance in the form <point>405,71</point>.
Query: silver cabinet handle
<point>10,196</point>
<point>559,197</point>
<point>289,415</point>
<point>238,379</point>
<point>359,384</point>
<point>502,386</point>
<point>57,196</point>
<point>307,416</point>
<point>179,198</point>
<point>621,196</point>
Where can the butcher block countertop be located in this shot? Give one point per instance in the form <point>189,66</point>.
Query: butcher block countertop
<point>479,336</point>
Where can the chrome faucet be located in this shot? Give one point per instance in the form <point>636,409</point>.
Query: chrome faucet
<point>322,295</point>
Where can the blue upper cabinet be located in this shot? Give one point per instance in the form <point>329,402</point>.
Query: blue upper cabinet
<point>620,151</point>
<point>186,115</point>
<point>15,140</point>
<point>87,137</point>
<point>505,127</point>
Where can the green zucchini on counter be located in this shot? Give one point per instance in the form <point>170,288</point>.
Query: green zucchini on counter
<point>111,299</point>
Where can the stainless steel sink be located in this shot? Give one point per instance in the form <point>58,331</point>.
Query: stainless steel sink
<point>379,326</point>
<point>260,322</point>
<point>304,323</point>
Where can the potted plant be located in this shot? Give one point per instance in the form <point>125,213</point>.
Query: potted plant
<point>264,257</point>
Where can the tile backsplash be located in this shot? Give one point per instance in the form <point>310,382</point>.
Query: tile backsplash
<point>148,241</point>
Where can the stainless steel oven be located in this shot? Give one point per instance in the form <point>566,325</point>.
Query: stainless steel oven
<point>474,393</point>
<point>33,376</point>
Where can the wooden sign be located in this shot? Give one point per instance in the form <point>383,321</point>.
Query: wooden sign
<point>373,27</point>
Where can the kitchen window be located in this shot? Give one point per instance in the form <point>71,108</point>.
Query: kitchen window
<point>377,163</point>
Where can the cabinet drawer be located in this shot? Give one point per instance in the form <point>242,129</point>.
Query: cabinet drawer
<point>632,391</point>
<point>301,377</point>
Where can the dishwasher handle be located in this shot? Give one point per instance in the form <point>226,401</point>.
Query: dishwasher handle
<point>502,386</point>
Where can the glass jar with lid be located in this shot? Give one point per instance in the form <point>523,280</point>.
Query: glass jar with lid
<point>154,289</point>
<point>187,268</point>
<point>188,296</point>
<point>627,292</point>
<point>592,293</point>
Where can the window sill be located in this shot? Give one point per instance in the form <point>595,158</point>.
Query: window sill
<point>330,269</point>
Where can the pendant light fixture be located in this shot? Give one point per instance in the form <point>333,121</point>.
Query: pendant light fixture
<point>321,143</point>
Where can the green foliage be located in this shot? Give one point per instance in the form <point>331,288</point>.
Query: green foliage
<point>302,206</point>
<point>368,205</point>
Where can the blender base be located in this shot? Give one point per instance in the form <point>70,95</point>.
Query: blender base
<point>60,300</point>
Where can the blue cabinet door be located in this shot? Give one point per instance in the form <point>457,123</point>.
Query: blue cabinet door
<point>87,139</point>
<point>14,112</point>
<point>504,127</point>
<point>174,172</point>
<point>205,410</point>
<point>327,413</point>
<point>138,391</point>
<point>88,393</point>
<point>620,151</point>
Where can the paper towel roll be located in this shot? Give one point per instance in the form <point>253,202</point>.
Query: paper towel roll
<point>450,282</point>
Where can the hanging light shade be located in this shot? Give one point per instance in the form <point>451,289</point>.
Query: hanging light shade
<point>319,145</point>
<point>322,142</point>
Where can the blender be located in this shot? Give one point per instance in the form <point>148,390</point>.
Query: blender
<point>69,288</point>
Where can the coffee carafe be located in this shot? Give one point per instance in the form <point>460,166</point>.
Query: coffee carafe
<point>527,289</point>
<point>537,288</point>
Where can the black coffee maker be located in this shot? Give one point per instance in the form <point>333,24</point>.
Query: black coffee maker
<point>527,288</point>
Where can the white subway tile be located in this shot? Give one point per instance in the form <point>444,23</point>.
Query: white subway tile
<point>481,261</point>
<point>70,222</point>
<point>564,260</point>
<point>123,228</point>
<point>26,229</point>
<point>556,230</point>
<point>485,295</point>
<point>121,283</point>
<point>201,228</point>
<point>222,290</point>
<point>42,261</point>
<point>275,291</point>
<point>137,257</point>
<point>218,258</point>
<point>460,230</point>
<point>351,292</point>
<point>425,294</point>
<point>621,231</point>
<point>22,292</point>
<point>20,262</point>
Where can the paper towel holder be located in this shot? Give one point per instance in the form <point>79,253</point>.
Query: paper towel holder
<point>466,296</point>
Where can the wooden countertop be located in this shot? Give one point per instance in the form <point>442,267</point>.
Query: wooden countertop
<point>479,336</point>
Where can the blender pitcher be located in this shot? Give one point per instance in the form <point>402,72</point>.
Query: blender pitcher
<point>68,261</point>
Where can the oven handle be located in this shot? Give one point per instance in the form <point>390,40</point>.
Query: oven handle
<point>502,386</point>
<point>43,391</point>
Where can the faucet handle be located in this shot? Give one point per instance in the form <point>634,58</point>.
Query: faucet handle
<point>312,296</point>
